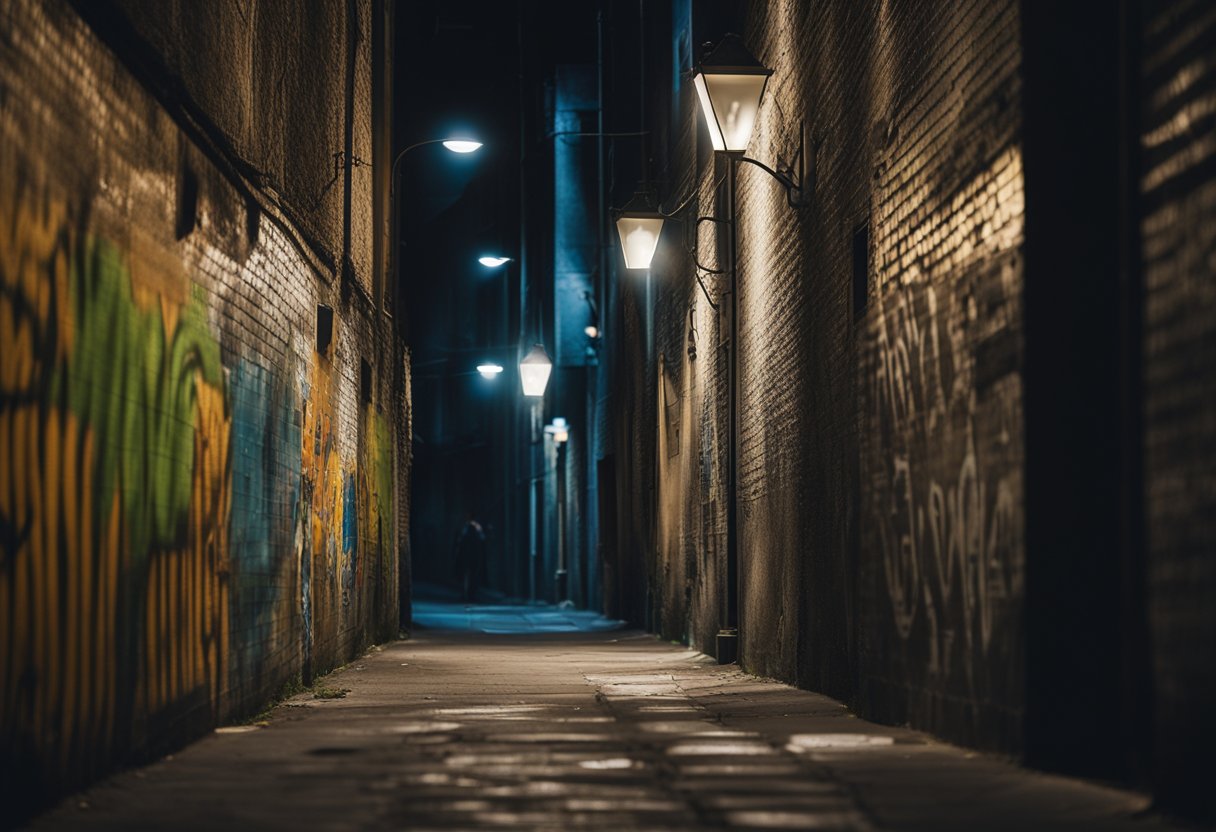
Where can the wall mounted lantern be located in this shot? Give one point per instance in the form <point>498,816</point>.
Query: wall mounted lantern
<point>638,225</point>
<point>730,83</point>
<point>559,430</point>
<point>534,370</point>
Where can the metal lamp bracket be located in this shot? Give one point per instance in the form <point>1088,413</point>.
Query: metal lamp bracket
<point>792,176</point>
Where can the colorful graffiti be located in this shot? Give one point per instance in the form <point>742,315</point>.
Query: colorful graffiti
<point>177,535</point>
<point>266,444</point>
<point>376,497</point>
<point>322,502</point>
<point>114,501</point>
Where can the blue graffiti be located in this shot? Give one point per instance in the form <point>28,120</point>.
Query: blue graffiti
<point>350,538</point>
<point>265,491</point>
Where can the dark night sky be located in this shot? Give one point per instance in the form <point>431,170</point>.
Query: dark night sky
<point>457,70</point>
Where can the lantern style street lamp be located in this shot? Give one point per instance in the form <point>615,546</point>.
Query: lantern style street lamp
<point>534,370</point>
<point>559,429</point>
<point>730,83</point>
<point>638,225</point>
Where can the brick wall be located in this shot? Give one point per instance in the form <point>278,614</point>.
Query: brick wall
<point>1178,239</point>
<point>879,451</point>
<point>944,401</point>
<point>196,505</point>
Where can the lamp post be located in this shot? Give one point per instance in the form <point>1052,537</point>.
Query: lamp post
<point>730,85</point>
<point>458,145</point>
<point>534,370</point>
<point>559,430</point>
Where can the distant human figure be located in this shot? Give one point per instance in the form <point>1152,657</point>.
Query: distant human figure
<point>470,556</point>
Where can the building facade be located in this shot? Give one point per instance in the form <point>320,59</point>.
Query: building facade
<point>974,418</point>
<point>205,404</point>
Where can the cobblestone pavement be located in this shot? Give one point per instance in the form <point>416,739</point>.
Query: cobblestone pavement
<point>579,730</point>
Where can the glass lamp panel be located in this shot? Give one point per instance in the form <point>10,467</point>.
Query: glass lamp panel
<point>639,238</point>
<point>534,371</point>
<point>707,110</point>
<point>734,101</point>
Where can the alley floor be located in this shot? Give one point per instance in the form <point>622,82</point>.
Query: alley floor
<point>567,724</point>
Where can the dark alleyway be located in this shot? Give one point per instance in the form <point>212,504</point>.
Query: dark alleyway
<point>817,399</point>
<point>612,730</point>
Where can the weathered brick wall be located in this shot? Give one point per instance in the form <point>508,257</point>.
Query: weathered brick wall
<point>1178,239</point>
<point>942,557</point>
<point>880,456</point>
<point>196,506</point>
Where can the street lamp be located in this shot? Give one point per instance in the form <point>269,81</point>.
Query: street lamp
<point>461,146</point>
<point>638,225</point>
<point>455,145</point>
<point>559,430</point>
<point>534,370</point>
<point>492,261</point>
<point>489,370</point>
<point>730,83</point>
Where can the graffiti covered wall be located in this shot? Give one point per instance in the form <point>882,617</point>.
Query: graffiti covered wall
<point>880,508</point>
<point>941,576</point>
<point>196,506</point>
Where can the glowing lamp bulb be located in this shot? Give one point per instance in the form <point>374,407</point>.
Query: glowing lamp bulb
<point>534,371</point>
<point>559,430</point>
<point>730,83</point>
<point>489,370</point>
<point>639,238</point>
<point>461,145</point>
<point>491,261</point>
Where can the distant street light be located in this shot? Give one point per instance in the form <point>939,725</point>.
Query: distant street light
<point>492,261</point>
<point>638,225</point>
<point>461,145</point>
<point>454,145</point>
<point>489,370</point>
<point>534,370</point>
<point>559,429</point>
